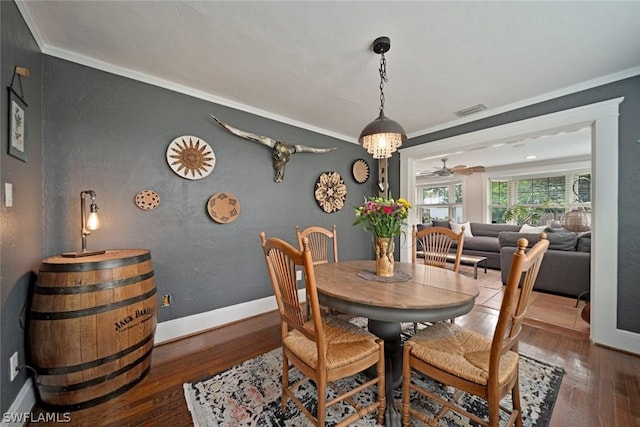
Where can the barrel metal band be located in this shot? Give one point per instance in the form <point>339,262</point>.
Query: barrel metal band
<point>97,265</point>
<point>91,287</point>
<point>97,362</point>
<point>97,400</point>
<point>98,380</point>
<point>37,315</point>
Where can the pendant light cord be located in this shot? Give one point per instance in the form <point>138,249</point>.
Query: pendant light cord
<point>383,79</point>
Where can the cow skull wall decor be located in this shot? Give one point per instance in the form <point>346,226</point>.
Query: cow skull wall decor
<point>282,151</point>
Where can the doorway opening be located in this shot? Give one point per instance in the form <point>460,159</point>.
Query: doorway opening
<point>602,118</point>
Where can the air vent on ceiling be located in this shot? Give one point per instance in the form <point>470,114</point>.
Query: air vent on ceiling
<point>470,110</point>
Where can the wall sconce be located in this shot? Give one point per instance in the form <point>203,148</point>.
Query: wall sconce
<point>88,224</point>
<point>382,136</point>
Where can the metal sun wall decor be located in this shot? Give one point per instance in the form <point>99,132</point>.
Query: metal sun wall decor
<point>282,151</point>
<point>330,192</point>
<point>190,157</point>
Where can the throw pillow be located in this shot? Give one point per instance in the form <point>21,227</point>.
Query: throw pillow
<point>526,228</point>
<point>439,223</point>
<point>584,242</point>
<point>458,228</point>
<point>556,230</point>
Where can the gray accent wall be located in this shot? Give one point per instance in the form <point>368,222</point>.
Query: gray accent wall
<point>110,134</point>
<point>20,225</point>
<point>628,181</point>
<point>89,129</point>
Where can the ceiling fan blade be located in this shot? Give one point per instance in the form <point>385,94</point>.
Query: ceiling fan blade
<point>458,167</point>
<point>469,170</point>
<point>477,168</point>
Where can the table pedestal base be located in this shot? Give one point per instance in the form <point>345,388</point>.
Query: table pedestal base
<point>390,333</point>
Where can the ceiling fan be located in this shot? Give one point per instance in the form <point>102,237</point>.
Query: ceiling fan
<point>456,170</point>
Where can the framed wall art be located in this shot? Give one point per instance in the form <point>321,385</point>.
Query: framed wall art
<point>17,126</point>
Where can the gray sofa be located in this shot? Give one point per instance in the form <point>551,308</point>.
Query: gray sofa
<point>566,267</point>
<point>484,241</point>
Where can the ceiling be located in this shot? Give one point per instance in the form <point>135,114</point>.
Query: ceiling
<point>310,63</point>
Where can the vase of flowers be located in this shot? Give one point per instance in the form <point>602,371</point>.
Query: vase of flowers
<point>384,218</point>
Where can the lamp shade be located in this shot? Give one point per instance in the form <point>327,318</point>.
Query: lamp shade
<point>382,137</point>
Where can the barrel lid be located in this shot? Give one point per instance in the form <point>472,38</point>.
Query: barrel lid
<point>109,259</point>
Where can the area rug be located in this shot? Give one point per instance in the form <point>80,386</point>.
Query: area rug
<point>248,394</point>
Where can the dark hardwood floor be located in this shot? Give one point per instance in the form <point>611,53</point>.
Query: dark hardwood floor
<point>601,387</point>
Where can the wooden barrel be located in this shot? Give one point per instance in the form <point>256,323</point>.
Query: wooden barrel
<point>91,326</point>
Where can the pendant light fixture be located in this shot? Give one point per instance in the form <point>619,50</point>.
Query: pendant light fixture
<point>382,136</point>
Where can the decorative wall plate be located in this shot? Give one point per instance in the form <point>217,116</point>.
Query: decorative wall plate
<point>223,207</point>
<point>360,171</point>
<point>147,200</point>
<point>190,157</point>
<point>330,192</point>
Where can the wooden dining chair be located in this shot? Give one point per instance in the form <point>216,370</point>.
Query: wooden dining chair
<point>470,362</point>
<point>323,349</point>
<point>434,244</point>
<point>319,240</point>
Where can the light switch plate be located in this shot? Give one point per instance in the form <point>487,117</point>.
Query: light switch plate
<point>8,194</point>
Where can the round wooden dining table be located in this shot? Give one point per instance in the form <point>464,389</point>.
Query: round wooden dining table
<point>425,294</point>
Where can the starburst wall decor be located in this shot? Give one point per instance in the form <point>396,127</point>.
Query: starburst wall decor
<point>190,157</point>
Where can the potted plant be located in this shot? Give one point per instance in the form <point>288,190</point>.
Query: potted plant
<point>520,214</point>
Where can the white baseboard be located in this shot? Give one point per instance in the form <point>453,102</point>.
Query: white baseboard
<point>195,323</point>
<point>166,331</point>
<point>22,405</point>
<point>621,340</point>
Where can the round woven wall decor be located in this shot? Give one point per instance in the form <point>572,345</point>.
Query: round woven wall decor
<point>190,157</point>
<point>360,171</point>
<point>223,208</point>
<point>147,200</point>
<point>330,192</point>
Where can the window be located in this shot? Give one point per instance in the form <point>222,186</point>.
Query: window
<point>535,200</point>
<point>439,202</point>
<point>582,188</point>
<point>499,200</point>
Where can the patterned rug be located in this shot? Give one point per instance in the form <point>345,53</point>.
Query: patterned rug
<point>249,395</point>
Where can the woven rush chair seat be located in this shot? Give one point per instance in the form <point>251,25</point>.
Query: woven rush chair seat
<point>322,349</point>
<point>470,362</point>
<point>346,343</point>
<point>461,352</point>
